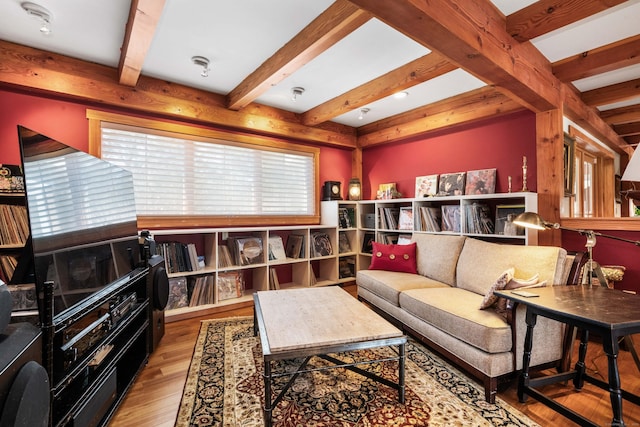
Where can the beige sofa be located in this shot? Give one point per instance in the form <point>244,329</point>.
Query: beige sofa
<point>441,304</point>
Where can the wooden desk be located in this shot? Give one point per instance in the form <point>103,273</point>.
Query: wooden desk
<point>612,314</point>
<point>309,322</point>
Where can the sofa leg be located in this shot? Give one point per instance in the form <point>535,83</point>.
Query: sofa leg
<point>490,389</point>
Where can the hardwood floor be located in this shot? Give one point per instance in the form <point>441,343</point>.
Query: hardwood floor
<point>155,396</point>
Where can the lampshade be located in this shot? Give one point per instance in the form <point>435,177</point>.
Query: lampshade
<point>632,172</point>
<point>532,220</point>
<point>355,189</point>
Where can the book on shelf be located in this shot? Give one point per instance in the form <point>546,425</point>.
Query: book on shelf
<point>404,239</point>
<point>478,219</point>
<point>245,250</point>
<point>295,246</point>
<point>367,242</point>
<point>426,186</point>
<point>347,267</point>
<point>202,290</point>
<point>178,256</point>
<point>347,217</point>
<point>389,217</point>
<point>405,218</point>
<point>390,239</point>
<point>230,284</point>
<point>430,218</point>
<point>481,181</point>
<point>224,257</point>
<point>276,248</point>
<point>320,244</point>
<point>178,293</point>
<point>343,243</point>
<point>451,218</point>
<point>8,265</point>
<point>274,282</point>
<point>505,214</point>
<point>14,225</point>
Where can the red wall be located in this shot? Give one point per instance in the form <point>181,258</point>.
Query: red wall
<point>497,143</point>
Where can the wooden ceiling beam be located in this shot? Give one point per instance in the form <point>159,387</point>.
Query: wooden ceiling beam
<point>469,107</point>
<point>141,27</point>
<point>589,118</point>
<point>335,23</point>
<point>627,129</point>
<point>613,93</point>
<point>74,80</point>
<point>544,16</point>
<point>616,116</point>
<point>607,58</point>
<point>473,36</point>
<point>415,72</point>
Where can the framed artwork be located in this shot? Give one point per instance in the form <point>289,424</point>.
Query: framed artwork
<point>426,186</point>
<point>569,154</point>
<point>451,184</point>
<point>481,181</point>
<point>505,214</point>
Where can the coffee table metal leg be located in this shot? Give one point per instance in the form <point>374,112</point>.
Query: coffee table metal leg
<point>268,410</point>
<point>401,357</point>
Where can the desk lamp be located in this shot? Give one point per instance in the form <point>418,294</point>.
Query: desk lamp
<point>534,221</point>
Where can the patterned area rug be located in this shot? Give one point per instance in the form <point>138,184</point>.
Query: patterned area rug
<point>225,388</point>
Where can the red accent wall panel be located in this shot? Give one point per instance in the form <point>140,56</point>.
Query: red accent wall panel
<point>496,143</point>
<point>64,121</point>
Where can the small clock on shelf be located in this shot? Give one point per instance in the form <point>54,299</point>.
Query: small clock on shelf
<point>331,190</point>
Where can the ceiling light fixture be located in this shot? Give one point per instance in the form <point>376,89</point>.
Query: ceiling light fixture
<point>296,92</point>
<point>401,95</point>
<point>40,13</point>
<point>363,112</point>
<point>203,62</point>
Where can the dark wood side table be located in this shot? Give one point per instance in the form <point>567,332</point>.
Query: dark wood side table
<point>609,313</point>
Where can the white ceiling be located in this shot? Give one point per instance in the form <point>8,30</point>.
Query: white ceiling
<point>239,35</point>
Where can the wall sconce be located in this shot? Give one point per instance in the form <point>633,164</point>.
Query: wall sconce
<point>363,112</point>
<point>355,189</point>
<point>203,62</point>
<point>42,14</point>
<point>296,92</point>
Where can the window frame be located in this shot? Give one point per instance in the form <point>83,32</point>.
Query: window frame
<point>97,118</point>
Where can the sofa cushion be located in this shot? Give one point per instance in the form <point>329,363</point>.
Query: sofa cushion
<point>480,263</point>
<point>437,256</point>
<point>401,258</point>
<point>389,284</point>
<point>455,311</point>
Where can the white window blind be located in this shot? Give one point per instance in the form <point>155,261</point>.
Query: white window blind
<point>177,176</point>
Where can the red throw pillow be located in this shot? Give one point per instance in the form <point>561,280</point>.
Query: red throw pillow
<point>400,258</point>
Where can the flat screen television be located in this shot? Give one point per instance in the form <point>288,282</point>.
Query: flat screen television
<point>82,220</point>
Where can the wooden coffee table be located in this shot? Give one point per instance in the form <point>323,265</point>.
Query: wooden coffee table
<point>310,322</point>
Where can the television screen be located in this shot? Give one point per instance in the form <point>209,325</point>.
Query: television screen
<point>82,219</point>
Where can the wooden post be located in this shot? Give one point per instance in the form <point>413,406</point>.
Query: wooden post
<point>550,175</point>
